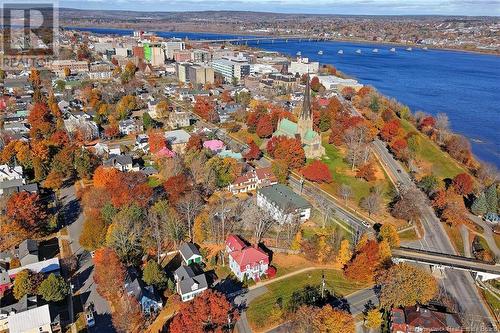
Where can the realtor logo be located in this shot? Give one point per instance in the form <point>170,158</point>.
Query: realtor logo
<point>29,34</point>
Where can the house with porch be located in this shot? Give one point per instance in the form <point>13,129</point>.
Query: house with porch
<point>246,260</point>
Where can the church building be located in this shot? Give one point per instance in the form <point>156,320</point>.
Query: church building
<point>303,129</point>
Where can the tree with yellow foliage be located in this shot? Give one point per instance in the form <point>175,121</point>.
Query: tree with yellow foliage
<point>330,320</point>
<point>405,285</point>
<point>199,232</point>
<point>389,233</point>
<point>384,250</point>
<point>373,318</point>
<point>345,253</point>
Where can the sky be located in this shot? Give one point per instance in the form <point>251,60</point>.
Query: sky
<point>359,7</point>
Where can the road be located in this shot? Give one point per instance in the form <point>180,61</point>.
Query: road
<point>84,287</point>
<point>458,284</point>
<point>357,302</point>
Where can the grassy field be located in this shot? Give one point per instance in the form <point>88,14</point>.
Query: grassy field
<point>260,308</point>
<point>442,165</point>
<point>492,301</point>
<point>456,238</point>
<point>342,174</point>
<point>408,235</point>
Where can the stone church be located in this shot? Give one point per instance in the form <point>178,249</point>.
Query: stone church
<point>303,129</point>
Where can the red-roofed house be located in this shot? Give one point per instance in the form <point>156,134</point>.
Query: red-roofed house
<point>246,260</point>
<point>424,320</point>
<point>253,180</point>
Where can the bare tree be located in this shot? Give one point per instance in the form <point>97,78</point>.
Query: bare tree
<point>259,221</point>
<point>325,207</point>
<point>487,174</point>
<point>371,203</point>
<point>409,204</point>
<point>442,127</point>
<point>356,139</point>
<point>190,205</point>
<point>345,192</point>
<point>197,168</point>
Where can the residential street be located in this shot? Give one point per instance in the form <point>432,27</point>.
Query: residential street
<point>84,287</point>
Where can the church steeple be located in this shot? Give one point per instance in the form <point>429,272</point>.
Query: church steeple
<point>306,105</point>
<point>305,123</point>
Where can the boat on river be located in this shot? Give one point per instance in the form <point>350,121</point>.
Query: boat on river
<point>341,52</point>
<point>320,52</point>
<point>392,49</point>
<point>375,50</point>
<point>358,51</point>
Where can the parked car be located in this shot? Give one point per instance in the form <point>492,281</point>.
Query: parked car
<point>89,316</point>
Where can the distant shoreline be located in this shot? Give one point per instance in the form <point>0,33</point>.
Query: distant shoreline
<point>419,46</point>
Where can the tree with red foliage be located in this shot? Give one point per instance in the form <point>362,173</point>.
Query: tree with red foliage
<point>127,315</point>
<point>254,152</point>
<point>315,84</point>
<point>156,140</point>
<point>208,312</point>
<point>112,130</point>
<point>205,108</point>
<point>26,210</point>
<point>317,172</point>
<point>367,172</point>
<point>400,148</point>
<point>427,123</point>
<point>128,188</point>
<point>175,186</point>
<point>226,97</point>
<point>390,130</point>
<point>103,177</point>
<point>463,184</point>
<point>288,150</point>
<point>195,142</point>
<point>264,127</point>
<point>364,91</point>
<point>364,263</point>
<point>348,93</point>
<point>109,274</point>
<point>459,148</point>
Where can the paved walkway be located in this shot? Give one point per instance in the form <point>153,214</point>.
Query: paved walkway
<point>488,234</point>
<point>466,240</point>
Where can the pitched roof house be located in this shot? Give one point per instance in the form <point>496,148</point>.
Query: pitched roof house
<point>424,320</point>
<point>283,203</point>
<point>146,296</point>
<point>244,260</point>
<point>190,254</point>
<point>189,283</point>
<point>253,180</point>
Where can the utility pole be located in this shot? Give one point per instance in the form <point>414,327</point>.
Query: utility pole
<point>322,284</point>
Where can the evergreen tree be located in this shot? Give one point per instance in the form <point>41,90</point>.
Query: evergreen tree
<point>147,121</point>
<point>492,198</point>
<point>154,275</point>
<point>479,206</point>
<point>53,288</point>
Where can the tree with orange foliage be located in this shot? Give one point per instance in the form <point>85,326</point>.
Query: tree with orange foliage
<point>252,121</point>
<point>129,188</point>
<point>175,186</point>
<point>400,149</point>
<point>463,184</point>
<point>205,108</point>
<point>315,84</point>
<point>317,172</point>
<point>26,210</point>
<point>288,150</point>
<point>195,142</point>
<point>348,93</point>
<point>330,320</point>
<point>253,152</point>
<point>103,177</point>
<point>112,130</point>
<point>364,263</point>
<point>367,172</point>
<point>156,140</point>
<point>208,312</point>
<point>264,127</point>
<point>390,130</point>
<point>364,91</point>
<point>109,274</point>
<point>40,121</point>
<point>439,200</point>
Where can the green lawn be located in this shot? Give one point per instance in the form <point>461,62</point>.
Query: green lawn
<point>154,181</point>
<point>443,165</point>
<point>492,301</point>
<point>341,173</point>
<point>260,308</point>
<point>408,235</point>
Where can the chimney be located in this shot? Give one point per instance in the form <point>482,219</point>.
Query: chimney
<point>418,308</point>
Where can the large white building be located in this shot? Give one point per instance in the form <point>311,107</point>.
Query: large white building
<point>334,82</point>
<point>283,204</point>
<point>230,69</point>
<point>303,66</point>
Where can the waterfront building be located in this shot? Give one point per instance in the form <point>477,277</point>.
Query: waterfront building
<point>230,69</point>
<point>303,66</point>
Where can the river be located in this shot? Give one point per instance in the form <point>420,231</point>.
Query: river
<point>465,86</point>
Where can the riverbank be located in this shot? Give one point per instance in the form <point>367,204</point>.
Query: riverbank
<point>261,34</point>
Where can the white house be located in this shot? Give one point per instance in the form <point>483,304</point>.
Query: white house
<point>10,177</point>
<point>303,66</point>
<point>244,260</point>
<point>283,204</point>
<point>129,126</point>
<point>253,180</point>
<point>189,283</point>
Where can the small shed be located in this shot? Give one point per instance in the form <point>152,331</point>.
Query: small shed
<point>190,254</point>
